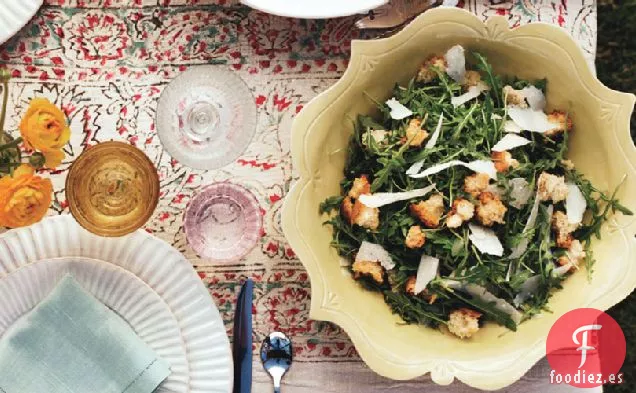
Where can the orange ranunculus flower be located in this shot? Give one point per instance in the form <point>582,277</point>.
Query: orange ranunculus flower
<point>44,128</point>
<point>24,198</point>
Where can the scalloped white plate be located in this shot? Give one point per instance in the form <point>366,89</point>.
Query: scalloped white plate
<point>163,269</point>
<point>314,9</point>
<point>15,14</point>
<point>118,289</point>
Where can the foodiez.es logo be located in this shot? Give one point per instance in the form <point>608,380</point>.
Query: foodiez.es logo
<point>586,348</point>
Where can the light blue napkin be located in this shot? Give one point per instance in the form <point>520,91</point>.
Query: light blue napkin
<point>72,343</point>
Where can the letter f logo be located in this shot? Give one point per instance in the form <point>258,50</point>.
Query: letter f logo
<point>583,344</point>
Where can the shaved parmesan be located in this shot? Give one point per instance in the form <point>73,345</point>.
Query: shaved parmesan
<point>415,168</point>
<point>496,190</point>
<point>456,63</point>
<point>426,272</point>
<point>531,285</point>
<point>480,166</point>
<point>376,253</point>
<point>483,166</point>
<point>385,198</point>
<point>484,295</point>
<point>398,111</point>
<point>534,97</point>
<point>431,142</point>
<point>378,136</point>
<point>575,204</point>
<point>473,92</point>
<point>520,192</point>
<point>509,142</point>
<point>485,240</point>
<point>495,116</point>
<point>531,120</point>
<point>512,127</point>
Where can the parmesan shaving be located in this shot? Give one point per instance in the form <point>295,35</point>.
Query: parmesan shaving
<point>433,140</point>
<point>520,192</point>
<point>523,244</point>
<point>575,204</point>
<point>512,127</point>
<point>534,97</point>
<point>484,295</point>
<point>426,272</point>
<point>530,286</point>
<point>380,199</point>
<point>509,142</point>
<point>530,119</point>
<point>456,63</point>
<point>376,253</point>
<point>398,111</point>
<point>485,240</point>
<point>473,92</point>
<point>479,166</point>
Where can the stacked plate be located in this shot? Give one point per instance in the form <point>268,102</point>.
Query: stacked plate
<point>14,15</point>
<point>143,279</point>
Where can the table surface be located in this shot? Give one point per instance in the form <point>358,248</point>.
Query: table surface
<point>105,62</point>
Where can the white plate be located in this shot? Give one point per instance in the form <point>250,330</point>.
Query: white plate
<point>15,14</point>
<point>120,290</point>
<point>314,9</point>
<point>154,262</point>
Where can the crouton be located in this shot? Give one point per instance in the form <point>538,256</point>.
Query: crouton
<point>426,74</point>
<point>463,322</point>
<point>490,209</point>
<point>563,229</point>
<point>574,256</point>
<point>347,209</point>
<point>567,164</point>
<point>562,121</point>
<point>415,238</point>
<point>429,211</point>
<point>415,135</point>
<point>503,160</point>
<point>360,186</point>
<point>472,78</point>
<point>364,216</point>
<point>476,184</point>
<point>552,187</point>
<point>409,287</point>
<point>369,269</point>
<point>514,97</point>
<point>461,211</point>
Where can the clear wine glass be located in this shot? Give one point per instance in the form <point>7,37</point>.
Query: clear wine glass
<point>206,117</point>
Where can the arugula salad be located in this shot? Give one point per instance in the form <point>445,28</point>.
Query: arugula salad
<point>459,204</point>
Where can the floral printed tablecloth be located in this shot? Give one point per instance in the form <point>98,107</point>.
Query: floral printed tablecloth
<point>105,62</point>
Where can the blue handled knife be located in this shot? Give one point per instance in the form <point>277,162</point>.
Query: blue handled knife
<point>242,340</point>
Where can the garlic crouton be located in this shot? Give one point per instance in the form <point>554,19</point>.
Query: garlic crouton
<point>415,135</point>
<point>552,187</point>
<point>463,322</point>
<point>562,121</point>
<point>471,78</point>
<point>514,97</point>
<point>461,211</point>
<point>574,256</point>
<point>359,187</point>
<point>370,269</point>
<point>426,74</point>
<point>429,211</point>
<point>415,238</point>
<point>364,216</point>
<point>503,160</point>
<point>563,229</point>
<point>476,184</point>
<point>490,209</point>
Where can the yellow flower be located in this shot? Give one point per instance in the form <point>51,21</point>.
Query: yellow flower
<point>44,128</point>
<point>24,198</point>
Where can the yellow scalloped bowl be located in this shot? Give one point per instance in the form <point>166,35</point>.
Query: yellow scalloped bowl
<point>601,148</point>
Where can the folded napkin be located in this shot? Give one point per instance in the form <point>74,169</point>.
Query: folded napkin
<point>72,343</point>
